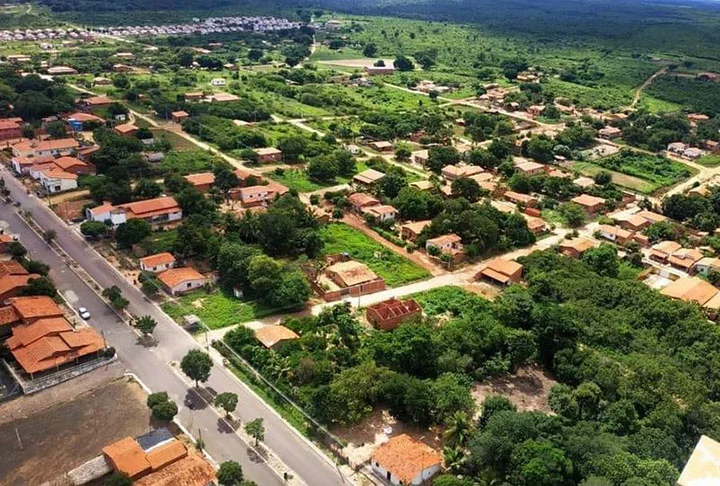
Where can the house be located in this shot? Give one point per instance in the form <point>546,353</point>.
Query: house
<point>529,168</point>
<point>453,172</point>
<point>703,466</point>
<point>49,343</point>
<point>177,281</point>
<point>253,196</point>
<point>379,70</point>
<point>422,185</point>
<point>368,177</point>
<point>194,96</point>
<point>575,247</point>
<point>609,133</point>
<point>360,201</point>
<point>381,212</point>
<point>388,315</point>
<point>411,231</point>
<point>10,128</point>
<point>179,116</point>
<point>633,222</point>
<point>57,180</point>
<point>535,225</point>
<point>701,190</point>
<point>591,204</point>
<point>677,147</point>
<point>697,117</point>
<point>519,198</point>
<point>355,277</point>
<point>690,289</point>
<point>155,211</point>
<point>382,146</point>
<point>450,244</point>
<point>96,101</point>
<point>38,148</point>
<point>126,129</point>
<point>223,98</point>
<point>504,272</point>
<point>74,165</point>
<point>685,258</point>
<point>707,264</point>
<point>61,70</point>
<point>404,460</point>
<point>584,182</point>
<point>661,251</point>
<point>201,181</point>
<point>712,146</point>
<point>86,153</point>
<point>83,120</point>
<point>652,217</point>
<point>158,262</point>
<point>615,234</point>
<point>693,153</point>
<point>272,337</point>
<point>100,81</point>
<point>217,82</point>
<point>421,157</point>
<point>268,154</point>
<point>22,165</point>
<point>13,279</point>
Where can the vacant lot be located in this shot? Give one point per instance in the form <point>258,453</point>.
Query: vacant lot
<point>216,309</point>
<point>394,269</point>
<point>659,172</point>
<point>528,389</point>
<point>65,436</point>
<point>633,183</point>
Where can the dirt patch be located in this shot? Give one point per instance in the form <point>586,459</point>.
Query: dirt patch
<point>365,437</point>
<point>65,436</point>
<point>358,63</point>
<point>483,289</point>
<point>528,389</point>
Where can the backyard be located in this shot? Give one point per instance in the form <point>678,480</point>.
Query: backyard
<point>394,269</point>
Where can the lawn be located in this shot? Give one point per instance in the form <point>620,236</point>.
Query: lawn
<point>216,309</point>
<point>633,183</point>
<point>296,179</point>
<point>454,300</point>
<point>161,241</point>
<point>189,162</point>
<point>394,269</point>
<point>709,160</point>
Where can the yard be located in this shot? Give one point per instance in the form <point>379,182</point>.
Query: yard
<point>216,309</point>
<point>709,160</point>
<point>394,269</point>
<point>298,179</point>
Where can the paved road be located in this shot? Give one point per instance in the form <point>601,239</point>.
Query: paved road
<point>153,364</point>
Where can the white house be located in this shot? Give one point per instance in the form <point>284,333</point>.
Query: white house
<point>38,148</point>
<point>218,82</point>
<point>404,460</point>
<point>58,181</point>
<point>178,281</point>
<point>381,212</point>
<point>157,212</point>
<point>157,263</point>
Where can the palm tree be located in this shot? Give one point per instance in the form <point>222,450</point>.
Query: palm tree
<point>458,429</point>
<point>454,459</point>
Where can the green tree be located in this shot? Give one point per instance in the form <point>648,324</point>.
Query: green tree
<point>16,250</point>
<point>457,429</point>
<point>165,410</point>
<point>132,232</point>
<point>539,463</point>
<point>494,404</point>
<point>145,325</point>
<point>94,229</point>
<point>40,286</point>
<point>467,188</point>
<point>322,169</point>
<point>227,401</point>
<point>196,364</point>
<point>603,260</point>
<point>256,430</point>
<point>230,474</point>
<point>157,397</point>
<point>369,50</point>
<point>118,478</point>
<point>402,63</point>
<point>573,214</point>
<point>147,189</point>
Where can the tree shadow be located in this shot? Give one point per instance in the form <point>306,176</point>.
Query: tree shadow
<point>147,341</point>
<point>194,401</point>
<point>224,427</point>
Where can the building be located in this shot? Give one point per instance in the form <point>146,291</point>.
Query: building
<point>177,281</point>
<point>268,154</point>
<point>10,128</point>
<point>504,272</point>
<point>157,212</point>
<point>360,201</point>
<point>382,146</point>
<point>411,231</point>
<point>662,251</point>
<point>74,165</point>
<point>253,196</point>
<point>379,70</point>
<point>530,168</point>
<point>423,185</point>
<point>39,148</point>
<point>633,222</point>
<point>421,157</point>
<point>223,98</point>
<point>707,264</point>
<point>615,234</point>
<point>519,198</point>
<point>61,70</point>
<point>404,460</point>
<point>584,182</point>
<point>535,225</point>
<point>610,133</point>
<point>684,259</point>
<point>591,204</point>
<point>454,172</point>
<point>56,180</point>
<point>13,279</point>
<point>97,101</point>
<point>691,289</point>
<point>217,82</point>
<point>22,165</point>
<point>575,247</point>
<point>201,181</point>
<point>389,314</point>
<point>158,262</point>
<point>703,466</point>
<point>348,279</point>
<point>652,217</point>
<point>194,96</point>
<point>179,116</point>
<point>450,244</point>
<point>368,177</point>
<point>381,212</point>
<point>126,129</point>
<point>272,337</point>
<point>84,120</point>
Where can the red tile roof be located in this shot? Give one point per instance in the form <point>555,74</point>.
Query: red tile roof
<point>158,259</point>
<point>176,276</point>
<point>405,457</point>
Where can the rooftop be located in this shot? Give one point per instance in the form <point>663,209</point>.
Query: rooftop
<point>405,457</point>
<point>587,200</point>
<point>35,307</point>
<point>703,466</point>
<point>269,336</point>
<point>690,289</point>
<point>352,272</point>
<point>369,176</point>
<point>157,259</point>
<point>175,276</point>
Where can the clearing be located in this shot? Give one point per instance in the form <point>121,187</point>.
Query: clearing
<point>528,389</point>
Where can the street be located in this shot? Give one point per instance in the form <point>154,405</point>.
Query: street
<point>153,364</point>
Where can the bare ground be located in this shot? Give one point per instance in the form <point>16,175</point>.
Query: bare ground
<point>528,389</point>
<point>64,436</point>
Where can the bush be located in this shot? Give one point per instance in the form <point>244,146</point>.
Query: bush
<point>165,411</point>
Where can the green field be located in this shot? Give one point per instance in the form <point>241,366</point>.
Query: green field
<point>709,160</point>
<point>216,309</point>
<point>394,269</point>
<point>450,299</point>
<point>629,182</point>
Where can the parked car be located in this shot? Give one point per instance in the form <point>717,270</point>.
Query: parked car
<point>84,313</point>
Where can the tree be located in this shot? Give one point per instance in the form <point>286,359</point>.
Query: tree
<point>132,232</point>
<point>402,63</point>
<point>196,364</point>
<point>94,229</point>
<point>540,463</point>
<point>495,404</point>
<point>40,286</point>
<point>256,430</point>
<point>35,266</point>
<point>227,401</point>
<point>467,188</point>
<point>147,189</point>
<point>439,157</point>
<point>165,410</point>
<point>145,325</point>
<point>225,180</point>
<point>118,478</point>
<point>156,398</point>
<point>573,214</point>
<point>49,235</point>
<point>230,474</point>
<point>457,429</point>
<point>369,50</point>
<point>16,250</point>
<point>603,260</point>
<point>111,293</point>
<point>322,169</point>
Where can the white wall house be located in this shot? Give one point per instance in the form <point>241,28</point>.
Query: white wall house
<point>404,460</point>
<point>58,181</point>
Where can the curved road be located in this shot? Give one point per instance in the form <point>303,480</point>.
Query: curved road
<point>155,365</point>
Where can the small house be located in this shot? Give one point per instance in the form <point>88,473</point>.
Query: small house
<point>411,231</point>
<point>368,177</point>
<point>272,337</point>
<point>576,247</point>
<point>157,263</point>
<point>268,154</point>
<point>178,281</point>
<point>179,116</point>
<point>381,212</point>
<point>504,272</point>
<point>404,460</point>
<point>591,204</point>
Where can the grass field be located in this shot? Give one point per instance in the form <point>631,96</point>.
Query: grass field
<point>633,183</point>
<point>709,160</point>
<point>188,162</point>
<point>216,309</point>
<point>394,269</point>
<point>454,300</point>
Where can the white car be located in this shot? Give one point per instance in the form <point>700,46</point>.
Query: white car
<point>84,313</point>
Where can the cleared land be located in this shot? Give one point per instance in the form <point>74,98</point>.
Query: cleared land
<point>65,436</point>
<point>216,309</point>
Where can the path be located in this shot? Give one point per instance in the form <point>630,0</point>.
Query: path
<point>648,82</point>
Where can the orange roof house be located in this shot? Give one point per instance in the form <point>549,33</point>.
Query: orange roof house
<point>685,258</point>
<point>95,101</point>
<point>575,247</point>
<point>180,280</point>
<point>504,272</point>
<point>126,129</point>
<point>590,204</point>
<point>158,262</point>
<point>268,154</point>
<point>165,454</point>
<point>179,116</point>
<point>128,457</point>
<point>411,231</point>
<point>272,336</point>
<point>202,181</point>
<point>405,460</point>
<point>652,217</point>
<point>351,273</point>
<point>12,285</point>
<point>634,222</point>
<point>615,233</point>
<point>690,289</point>
<point>389,314</point>
<point>360,200</point>
<point>74,165</point>
<point>35,307</point>
<point>519,198</point>
<point>381,212</point>
<point>662,251</point>
<point>368,177</point>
